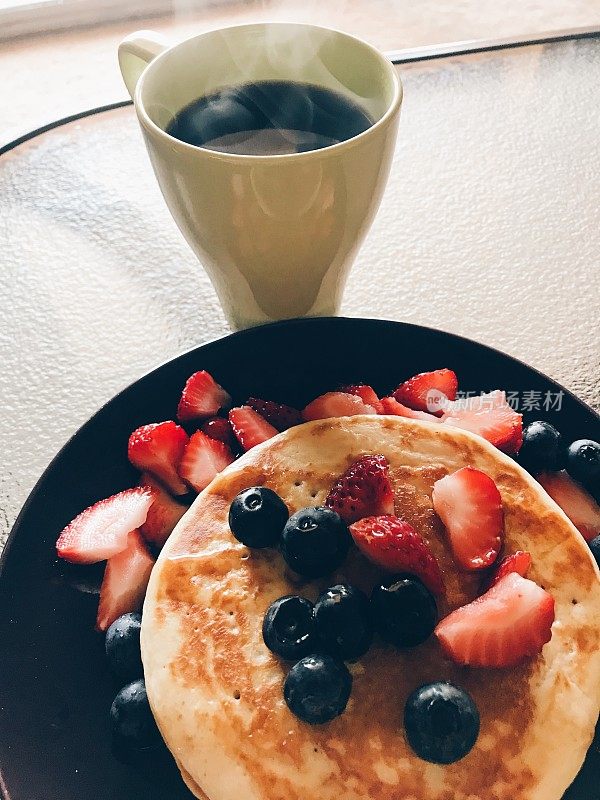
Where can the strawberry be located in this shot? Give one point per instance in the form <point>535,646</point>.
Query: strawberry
<point>101,530</point>
<point>428,391</point>
<point>125,580</point>
<point>391,406</point>
<point>490,416</point>
<point>157,449</point>
<point>201,397</point>
<point>367,394</point>
<point>279,416</point>
<point>518,562</point>
<point>336,404</point>
<point>163,515</point>
<point>579,506</point>
<point>394,545</point>
<point>364,490</point>
<point>220,428</point>
<point>203,459</point>
<point>507,624</point>
<point>249,427</point>
<point>469,504</point>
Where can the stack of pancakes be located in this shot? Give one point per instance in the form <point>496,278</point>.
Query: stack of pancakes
<point>216,690</point>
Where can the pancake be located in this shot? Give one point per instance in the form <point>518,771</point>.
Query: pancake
<point>216,690</point>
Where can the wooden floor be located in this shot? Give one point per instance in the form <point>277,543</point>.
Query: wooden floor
<point>63,73</point>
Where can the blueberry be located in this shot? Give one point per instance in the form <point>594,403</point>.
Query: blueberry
<point>594,546</point>
<point>542,449</point>
<point>343,620</point>
<point>404,611</point>
<point>583,462</point>
<point>317,688</point>
<point>315,541</point>
<point>132,723</point>
<point>122,646</point>
<point>289,627</point>
<point>257,516</point>
<point>441,722</point>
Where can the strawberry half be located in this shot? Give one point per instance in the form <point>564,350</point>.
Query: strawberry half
<point>510,622</point>
<point>203,459</point>
<point>336,404</point>
<point>249,427</point>
<point>157,449</point>
<point>518,562</point>
<point>367,394</point>
<point>428,391</point>
<point>579,506</point>
<point>163,515</point>
<point>278,415</point>
<point>394,545</point>
<point>101,530</point>
<point>125,581</point>
<point>391,406</point>
<point>469,504</point>
<point>364,490</point>
<point>491,417</point>
<point>201,397</point>
<point>220,428</point>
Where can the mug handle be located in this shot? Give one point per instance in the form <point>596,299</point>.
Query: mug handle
<point>136,51</point>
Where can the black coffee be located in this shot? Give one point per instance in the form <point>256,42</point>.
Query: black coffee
<point>269,118</point>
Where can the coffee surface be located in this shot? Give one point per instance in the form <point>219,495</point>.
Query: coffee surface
<point>269,118</point>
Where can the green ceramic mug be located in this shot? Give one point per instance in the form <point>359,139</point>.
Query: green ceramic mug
<point>276,233</point>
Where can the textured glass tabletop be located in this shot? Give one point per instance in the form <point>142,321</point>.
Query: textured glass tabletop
<point>490,228</point>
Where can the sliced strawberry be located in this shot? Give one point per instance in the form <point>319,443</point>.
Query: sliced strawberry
<point>579,506</point>
<point>394,545</point>
<point>428,391</point>
<point>163,515</point>
<point>249,427</point>
<point>278,415</point>
<point>101,530</point>
<point>364,490</point>
<point>469,504</point>
<point>336,404</point>
<point>391,406</point>
<point>510,622</point>
<point>490,416</point>
<point>367,394</point>
<point>125,580</point>
<point>220,428</point>
<point>203,459</point>
<point>157,449</point>
<point>201,397</point>
<point>518,562</point>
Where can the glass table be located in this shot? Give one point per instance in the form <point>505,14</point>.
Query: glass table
<point>490,228</point>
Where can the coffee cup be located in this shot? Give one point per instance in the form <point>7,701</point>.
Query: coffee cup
<point>276,232</point>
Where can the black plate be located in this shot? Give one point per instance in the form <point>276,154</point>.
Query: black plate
<point>55,691</point>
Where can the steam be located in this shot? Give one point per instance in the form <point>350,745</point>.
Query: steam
<point>220,66</point>
<point>291,52</point>
<point>302,87</point>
